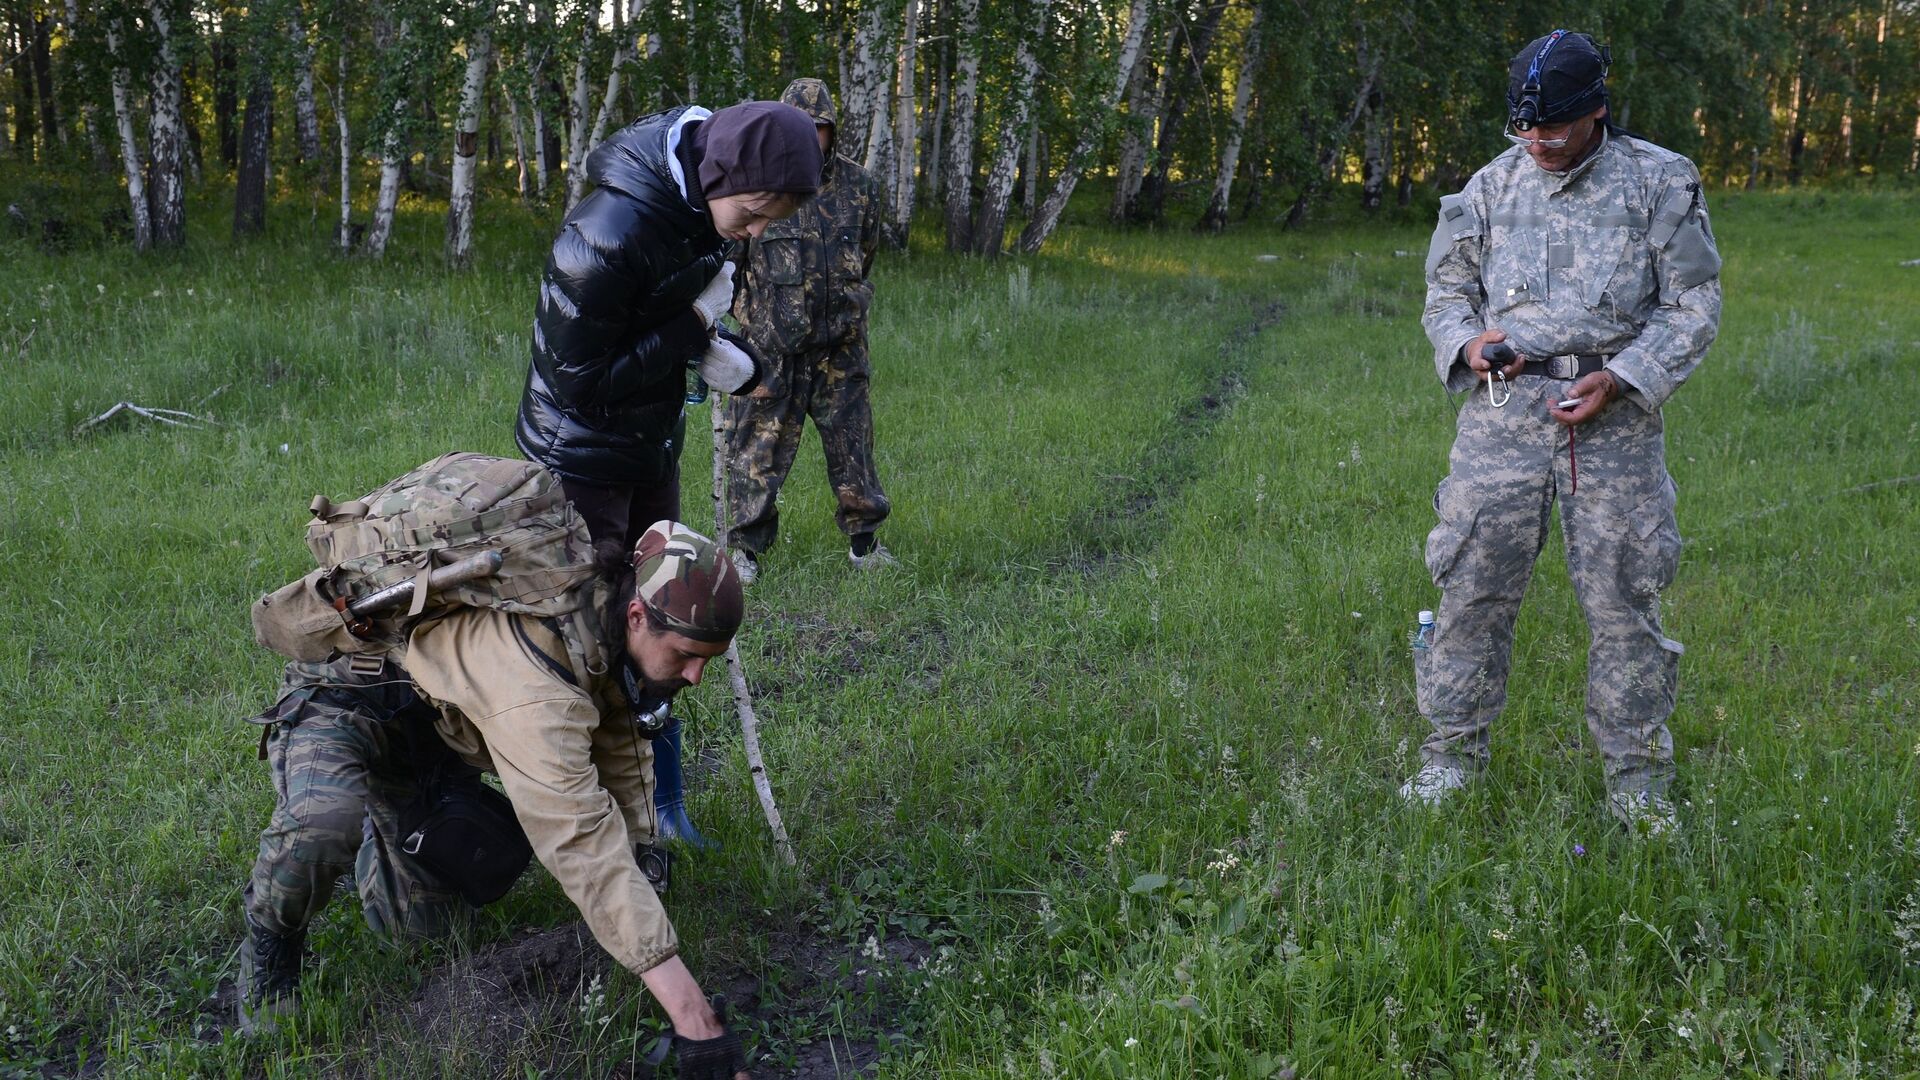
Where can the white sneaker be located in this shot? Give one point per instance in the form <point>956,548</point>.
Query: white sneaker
<point>1434,783</point>
<point>1644,813</point>
<point>877,558</point>
<point>745,565</point>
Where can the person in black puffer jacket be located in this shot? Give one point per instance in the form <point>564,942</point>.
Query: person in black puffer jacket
<point>632,297</point>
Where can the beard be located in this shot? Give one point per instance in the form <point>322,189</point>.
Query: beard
<point>659,689</point>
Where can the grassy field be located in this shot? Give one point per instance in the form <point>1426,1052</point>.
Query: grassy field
<point>1101,782</point>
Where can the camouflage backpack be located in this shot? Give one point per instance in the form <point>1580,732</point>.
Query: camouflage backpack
<point>446,510</point>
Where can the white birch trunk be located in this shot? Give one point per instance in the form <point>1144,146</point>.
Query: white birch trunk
<point>1215,217</point>
<point>856,93</point>
<point>692,46</point>
<point>536,71</point>
<point>1040,226</point>
<point>345,237</point>
<point>129,149</point>
<point>517,123</point>
<point>466,140</point>
<point>959,149</point>
<point>1146,93</point>
<point>732,29</point>
<point>541,166</point>
<point>577,117</point>
<point>622,56</point>
<point>168,135</point>
<point>306,119</point>
<point>392,154</point>
<point>904,128</point>
<point>989,231</point>
<point>1031,174</point>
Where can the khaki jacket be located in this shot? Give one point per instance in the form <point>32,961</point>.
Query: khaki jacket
<point>579,775</point>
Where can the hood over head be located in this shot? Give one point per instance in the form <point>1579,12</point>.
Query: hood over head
<point>759,146</point>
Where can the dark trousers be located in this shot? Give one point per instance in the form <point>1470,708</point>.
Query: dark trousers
<point>621,514</point>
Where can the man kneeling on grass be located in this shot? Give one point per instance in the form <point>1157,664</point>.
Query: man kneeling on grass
<point>377,752</point>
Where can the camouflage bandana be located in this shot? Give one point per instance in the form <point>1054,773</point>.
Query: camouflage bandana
<point>687,583</point>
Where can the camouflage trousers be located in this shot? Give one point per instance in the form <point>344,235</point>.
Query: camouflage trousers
<point>1508,468</point>
<point>829,384</point>
<point>350,754</point>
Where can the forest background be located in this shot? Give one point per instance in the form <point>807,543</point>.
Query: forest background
<point>1099,783</point>
<point>964,106</point>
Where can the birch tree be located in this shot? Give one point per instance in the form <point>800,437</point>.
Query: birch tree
<point>466,138</point>
<point>1185,77</point>
<point>345,236</point>
<point>167,127</point>
<point>959,150</point>
<point>250,186</point>
<point>989,231</point>
<point>904,129</point>
<point>395,81</point>
<point>577,110</point>
<point>130,162</point>
<point>306,118</point>
<point>1214,218</point>
<point>856,91</point>
<point>1092,127</point>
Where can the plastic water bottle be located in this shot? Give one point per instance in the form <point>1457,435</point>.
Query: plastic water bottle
<point>1423,633</point>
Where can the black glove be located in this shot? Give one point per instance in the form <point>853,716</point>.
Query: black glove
<point>710,1059</point>
<point>718,1058</point>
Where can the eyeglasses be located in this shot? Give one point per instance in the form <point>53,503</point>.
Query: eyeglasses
<point>1544,144</point>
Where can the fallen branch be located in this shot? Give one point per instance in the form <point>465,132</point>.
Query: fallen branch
<point>736,672</point>
<point>175,417</point>
<point>757,765</point>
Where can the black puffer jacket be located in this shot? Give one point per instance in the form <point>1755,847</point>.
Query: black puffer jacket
<point>615,327</point>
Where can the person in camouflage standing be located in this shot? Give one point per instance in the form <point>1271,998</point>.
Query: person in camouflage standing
<point>353,742</point>
<point>802,303</point>
<point>1586,251</point>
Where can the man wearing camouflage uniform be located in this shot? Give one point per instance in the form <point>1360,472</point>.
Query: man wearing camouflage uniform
<point>553,708</point>
<point>1586,251</point>
<point>802,302</point>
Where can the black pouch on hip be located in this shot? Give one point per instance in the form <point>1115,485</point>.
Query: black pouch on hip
<point>465,833</point>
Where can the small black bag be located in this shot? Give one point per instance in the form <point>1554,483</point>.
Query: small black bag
<point>467,835</point>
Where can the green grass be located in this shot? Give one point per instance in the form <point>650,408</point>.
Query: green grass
<point>1124,733</point>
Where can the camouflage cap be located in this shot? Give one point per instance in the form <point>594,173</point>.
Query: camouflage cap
<point>687,583</point>
<point>811,96</point>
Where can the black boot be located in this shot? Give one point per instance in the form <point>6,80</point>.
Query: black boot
<point>269,980</point>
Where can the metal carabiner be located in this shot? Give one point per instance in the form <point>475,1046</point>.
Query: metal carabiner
<point>1498,401</point>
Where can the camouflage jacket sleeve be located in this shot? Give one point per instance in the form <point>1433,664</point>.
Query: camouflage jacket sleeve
<point>1687,268</point>
<point>1456,296</point>
<point>504,674</point>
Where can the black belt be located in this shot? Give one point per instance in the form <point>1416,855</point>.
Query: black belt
<point>1567,367</point>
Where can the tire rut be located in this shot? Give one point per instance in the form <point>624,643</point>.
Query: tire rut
<point>1127,520</point>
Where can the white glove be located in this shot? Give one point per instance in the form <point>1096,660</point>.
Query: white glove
<point>726,367</point>
<point>716,299</point>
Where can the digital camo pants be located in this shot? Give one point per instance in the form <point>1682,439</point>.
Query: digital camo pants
<point>348,754</point>
<point>1508,468</point>
<point>831,386</point>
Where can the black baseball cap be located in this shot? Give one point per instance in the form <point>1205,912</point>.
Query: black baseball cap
<point>1556,78</point>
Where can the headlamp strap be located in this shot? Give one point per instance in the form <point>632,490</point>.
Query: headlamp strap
<point>1532,85</point>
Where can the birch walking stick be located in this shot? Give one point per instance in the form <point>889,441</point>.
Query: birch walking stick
<point>736,672</point>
